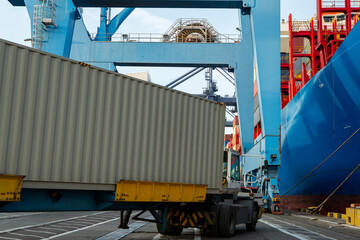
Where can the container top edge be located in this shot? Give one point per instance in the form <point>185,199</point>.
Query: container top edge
<point>107,71</point>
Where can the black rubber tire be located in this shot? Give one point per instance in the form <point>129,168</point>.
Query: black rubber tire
<point>227,221</point>
<point>167,229</point>
<point>252,225</point>
<point>214,229</point>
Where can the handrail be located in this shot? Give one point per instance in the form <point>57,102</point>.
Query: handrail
<point>158,37</point>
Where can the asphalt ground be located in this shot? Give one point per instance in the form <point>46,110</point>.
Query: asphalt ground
<point>103,226</point>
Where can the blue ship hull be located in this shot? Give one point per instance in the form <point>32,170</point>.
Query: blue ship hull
<point>321,117</point>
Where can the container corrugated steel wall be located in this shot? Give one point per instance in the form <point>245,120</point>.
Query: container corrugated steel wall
<point>63,122</point>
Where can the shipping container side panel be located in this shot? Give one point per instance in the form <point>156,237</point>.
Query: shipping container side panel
<point>43,158</point>
<point>182,154</point>
<point>196,138</point>
<point>160,145</point>
<point>71,119</point>
<point>163,145</point>
<point>219,153</point>
<point>18,92</point>
<point>123,137</point>
<point>176,155</point>
<point>173,150</point>
<point>190,163</point>
<point>5,104</point>
<point>63,122</point>
<point>146,132</point>
<point>113,144</point>
<point>98,134</point>
<point>139,125</point>
<point>3,118</point>
<point>35,149</point>
<point>107,131</point>
<point>80,131</point>
<point>130,132</point>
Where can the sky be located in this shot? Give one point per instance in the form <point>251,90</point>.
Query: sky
<point>15,26</point>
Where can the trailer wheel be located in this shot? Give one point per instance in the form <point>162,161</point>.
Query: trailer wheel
<point>227,221</point>
<point>167,229</point>
<point>252,225</point>
<point>213,230</point>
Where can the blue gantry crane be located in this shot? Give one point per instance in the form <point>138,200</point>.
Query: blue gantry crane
<point>58,27</point>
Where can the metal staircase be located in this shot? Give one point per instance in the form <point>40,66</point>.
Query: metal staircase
<point>43,18</point>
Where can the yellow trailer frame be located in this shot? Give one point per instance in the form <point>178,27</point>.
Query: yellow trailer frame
<point>10,187</point>
<point>143,191</point>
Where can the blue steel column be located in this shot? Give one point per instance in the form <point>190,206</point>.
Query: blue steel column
<point>107,30</point>
<point>82,45</point>
<point>57,40</point>
<point>244,83</point>
<point>265,19</point>
<point>266,37</point>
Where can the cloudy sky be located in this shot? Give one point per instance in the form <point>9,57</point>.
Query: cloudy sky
<point>15,26</point>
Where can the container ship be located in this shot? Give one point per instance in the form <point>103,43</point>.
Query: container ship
<point>322,117</point>
<point>321,110</point>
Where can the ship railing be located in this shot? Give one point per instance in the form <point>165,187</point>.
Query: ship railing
<point>158,37</point>
<point>303,25</point>
<point>333,3</point>
<point>339,3</point>
<point>355,3</point>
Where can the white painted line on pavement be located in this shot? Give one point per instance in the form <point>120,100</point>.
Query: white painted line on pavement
<point>9,238</point>
<point>281,229</point>
<point>48,223</point>
<point>118,234</point>
<point>197,234</point>
<point>157,237</point>
<point>9,216</point>
<point>80,229</point>
<point>52,228</point>
<point>327,221</point>
<point>38,231</point>
<point>27,235</point>
<point>300,233</point>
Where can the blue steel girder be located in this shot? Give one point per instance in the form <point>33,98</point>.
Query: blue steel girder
<point>107,30</point>
<point>58,38</point>
<point>265,30</point>
<point>266,41</point>
<point>157,3</point>
<point>161,54</point>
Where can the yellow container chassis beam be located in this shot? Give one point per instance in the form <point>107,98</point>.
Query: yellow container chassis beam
<point>10,187</point>
<point>142,191</point>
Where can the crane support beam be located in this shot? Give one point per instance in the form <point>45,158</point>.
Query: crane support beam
<point>157,3</point>
<point>160,54</point>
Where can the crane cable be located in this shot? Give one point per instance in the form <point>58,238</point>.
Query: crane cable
<point>318,208</point>
<point>284,195</point>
